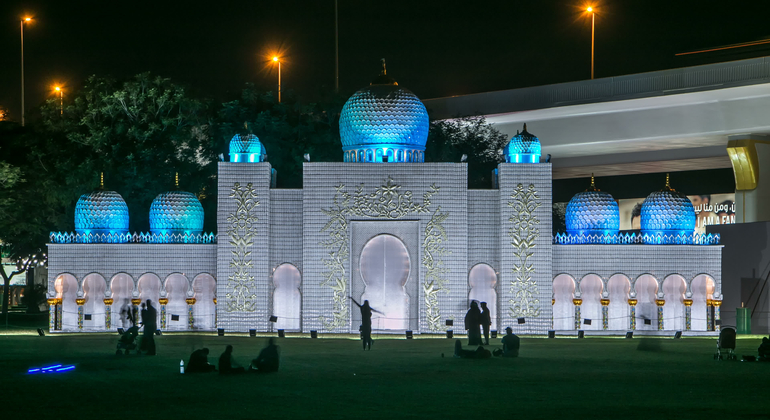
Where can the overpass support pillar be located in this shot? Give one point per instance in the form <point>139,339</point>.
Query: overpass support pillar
<point>750,157</point>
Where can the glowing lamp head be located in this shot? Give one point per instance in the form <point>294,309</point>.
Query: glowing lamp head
<point>27,19</point>
<point>589,9</point>
<point>275,59</point>
<point>57,88</point>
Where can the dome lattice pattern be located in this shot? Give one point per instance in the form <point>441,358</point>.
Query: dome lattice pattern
<point>667,212</point>
<point>523,148</point>
<point>101,212</point>
<point>593,213</point>
<point>176,212</point>
<point>246,148</point>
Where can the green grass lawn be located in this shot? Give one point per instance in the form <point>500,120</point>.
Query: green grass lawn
<point>334,378</point>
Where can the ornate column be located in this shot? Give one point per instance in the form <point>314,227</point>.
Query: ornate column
<point>632,323</point>
<point>80,302</point>
<point>660,303</point>
<point>108,313</point>
<point>605,314</point>
<point>190,319</point>
<point>709,315</point>
<point>52,314</point>
<point>717,313</point>
<point>135,302</point>
<point>59,310</point>
<point>163,302</point>
<point>688,314</point>
<point>577,303</point>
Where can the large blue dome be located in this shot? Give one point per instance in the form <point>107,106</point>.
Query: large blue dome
<point>594,214</point>
<point>101,212</point>
<point>523,148</point>
<point>667,213</point>
<point>176,212</point>
<point>384,123</point>
<point>246,148</point>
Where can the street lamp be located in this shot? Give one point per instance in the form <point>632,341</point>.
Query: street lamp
<point>277,60</point>
<point>61,99</point>
<point>593,21</point>
<point>26,19</point>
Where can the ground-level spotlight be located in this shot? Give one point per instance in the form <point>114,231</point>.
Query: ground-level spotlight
<point>252,333</point>
<point>121,331</point>
<point>494,333</point>
<point>281,333</point>
<point>157,332</point>
<point>409,335</point>
<point>40,332</point>
<point>551,334</point>
<point>449,333</point>
<point>313,334</point>
<point>221,332</point>
<point>678,335</point>
<point>630,334</point>
<point>581,334</point>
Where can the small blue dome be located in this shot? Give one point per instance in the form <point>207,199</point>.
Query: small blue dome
<point>384,120</point>
<point>523,148</point>
<point>593,213</point>
<point>667,213</point>
<point>176,212</point>
<point>246,148</point>
<point>101,212</point>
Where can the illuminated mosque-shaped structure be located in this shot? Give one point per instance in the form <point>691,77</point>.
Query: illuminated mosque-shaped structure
<point>388,227</point>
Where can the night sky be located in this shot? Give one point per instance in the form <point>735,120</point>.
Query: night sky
<point>434,48</point>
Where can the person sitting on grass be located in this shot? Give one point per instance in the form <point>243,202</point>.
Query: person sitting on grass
<point>226,363</point>
<point>268,359</point>
<point>199,362</point>
<point>511,343</point>
<point>479,353</point>
<point>764,350</point>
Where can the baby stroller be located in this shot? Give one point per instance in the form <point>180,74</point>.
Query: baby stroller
<point>726,343</point>
<point>127,341</point>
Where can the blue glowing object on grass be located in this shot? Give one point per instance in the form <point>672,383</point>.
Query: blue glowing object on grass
<point>668,217</point>
<point>384,122</point>
<point>247,148</point>
<point>176,213</point>
<point>523,148</point>
<point>593,215</point>
<point>51,369</point>
<point>101,212</point>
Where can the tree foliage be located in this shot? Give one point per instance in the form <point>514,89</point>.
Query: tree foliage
<point>448,140</point>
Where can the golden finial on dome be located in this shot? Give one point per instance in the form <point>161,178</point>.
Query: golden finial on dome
<point>101,181</point>
<point>593,185</point>
<point>384,70</point>
<point>176,180</point>
<point>525,127</point>
<point>383,78</point>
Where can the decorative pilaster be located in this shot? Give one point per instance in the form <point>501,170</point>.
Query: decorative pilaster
<point>80,302</point>
<point>632,303</point>
<point>717,312</point>
<point>190,320</point>
<point>660,303</point>
<point>108,313</point>
<point>709,315</point>
<point>688,314</point>
<point>577,303</point>
<point>605,313</point>
<point>135,302</point>
<point>163,322</point>
<point>52,314</point>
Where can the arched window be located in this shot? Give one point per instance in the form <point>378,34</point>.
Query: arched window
<point>384,267</point>
<point>563,308</point>
<point>94,312</point>
<point>646,288</point>
<point>482,280</point>
<point>674,287</point>
<point>122,288</point>
<point>287,301</point>
<point>66,287</point>
<point>591,288</point>
<point>618,311</point>
<point>204,310</point>
<point>176,292</point>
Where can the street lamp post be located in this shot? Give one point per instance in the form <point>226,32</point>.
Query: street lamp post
<point>277,60</point>
<point>22,68</point>
<point>593,19</point>
<point>61,99</point>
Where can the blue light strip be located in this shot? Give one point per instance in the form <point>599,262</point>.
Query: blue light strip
<point>51,369</point>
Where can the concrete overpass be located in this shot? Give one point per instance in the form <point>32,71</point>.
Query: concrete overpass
<point>671,120</point>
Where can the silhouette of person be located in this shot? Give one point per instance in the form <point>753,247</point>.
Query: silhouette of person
<point>764,350</point>
<point>486,321</point>
<point>227,364</point>
<point>479,353</point>
<point>199,362</point>
<point>472,324</point>
<point>366,322</point>
<point>149,317</point>
<point>126,314</point>
<point>268,359</point>
<point>511,343</point>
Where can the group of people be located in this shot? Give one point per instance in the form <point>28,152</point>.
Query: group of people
<point>476,320</point>
<point>149,320</point>
<point>511,344</point>
<point>267,361</point>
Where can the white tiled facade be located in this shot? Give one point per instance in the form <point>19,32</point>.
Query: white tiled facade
<point>321,230</point>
